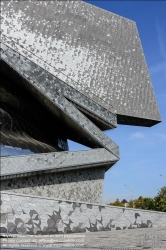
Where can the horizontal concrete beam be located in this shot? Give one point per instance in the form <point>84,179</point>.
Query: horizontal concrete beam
<point>18,166</point>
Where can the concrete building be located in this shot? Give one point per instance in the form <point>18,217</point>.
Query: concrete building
<point>69,70</point>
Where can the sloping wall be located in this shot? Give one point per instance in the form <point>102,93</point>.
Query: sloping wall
<point>39,215</point>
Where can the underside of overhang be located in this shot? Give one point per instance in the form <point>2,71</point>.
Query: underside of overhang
<point>38,117</point>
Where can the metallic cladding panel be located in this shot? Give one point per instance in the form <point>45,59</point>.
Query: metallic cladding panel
<point>17,62</point>
<point>95,51</point>
<point>50,92</point>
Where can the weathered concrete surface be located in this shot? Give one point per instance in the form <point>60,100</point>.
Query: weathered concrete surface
<point>81,185</point>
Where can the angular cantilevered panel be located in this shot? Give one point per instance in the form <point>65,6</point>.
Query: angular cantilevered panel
<point>105,118</point>
<point>68,71</point>
<point>55,162</point>
<point>49,91</point>
<point>43,104</point>
<point>96,52</point>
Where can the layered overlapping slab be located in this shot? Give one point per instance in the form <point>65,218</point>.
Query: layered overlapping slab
<point>70,175</point>
<point>49,91</point>
<point>96,52</point>
<point>73,70</point>
<point>12,167</point>
<point>75,175</point>
<point>21,63</point>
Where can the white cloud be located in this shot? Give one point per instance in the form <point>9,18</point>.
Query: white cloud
<point>147,140</point>
<point>157,68</point>
<point>137,135</point>
<point>161,136</point>
<point>141,164</point>
<point>161,37</point>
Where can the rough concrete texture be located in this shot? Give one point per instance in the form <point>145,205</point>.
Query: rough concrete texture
<point>80,185</point>
<point>39,215</point>
<point>75,175</point>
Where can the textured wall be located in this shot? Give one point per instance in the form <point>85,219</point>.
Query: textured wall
<point>38,215</point>
<point>95,51</point>
<point>25,165</point>
<point>80,185</point>
<point>50,91</point>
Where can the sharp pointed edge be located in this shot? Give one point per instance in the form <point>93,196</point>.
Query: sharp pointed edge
<point>50,90</point>
<point>106,117</point>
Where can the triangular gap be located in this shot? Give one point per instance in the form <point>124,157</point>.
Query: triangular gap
<point>74,146</point>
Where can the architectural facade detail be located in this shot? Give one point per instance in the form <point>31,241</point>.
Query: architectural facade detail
<point>68,71</point>
<point>95,51</point>
<point>78,185</point>
<point>38,215</point>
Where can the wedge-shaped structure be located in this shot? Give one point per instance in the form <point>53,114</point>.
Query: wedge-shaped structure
<point>38,116</point>
<point>94,51</point>
<point>69,70</point>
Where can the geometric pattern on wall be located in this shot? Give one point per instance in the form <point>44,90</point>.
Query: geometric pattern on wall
<point>77,125</point>
<point>69,70</point>
<point>38,215</point>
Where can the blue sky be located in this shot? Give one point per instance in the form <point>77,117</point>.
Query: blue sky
<point>142,150</point>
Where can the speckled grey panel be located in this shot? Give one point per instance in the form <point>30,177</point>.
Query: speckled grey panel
<point>38,215</point>
<point>94,51</point>
<point>18,166</point>
<point>80,185</point>
<point>50,174</point>
<point>23,65</point>
<point>51,93</point>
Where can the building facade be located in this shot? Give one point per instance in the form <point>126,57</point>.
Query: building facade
<point>69,70</point>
